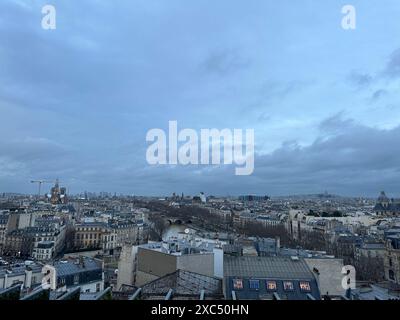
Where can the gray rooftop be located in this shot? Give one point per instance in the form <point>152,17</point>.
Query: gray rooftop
<point>19,269</point>
<point>266,267</point>
<point>68,267</point>
<point>373,246</point>
<point>375,292</point>
<point>184,283</point>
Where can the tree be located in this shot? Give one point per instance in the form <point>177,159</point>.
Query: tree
<point>259,230</point>
<point>369,269</point>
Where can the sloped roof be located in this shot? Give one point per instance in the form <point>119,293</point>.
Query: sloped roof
<point>69,268</point>
<point>184,283</point>
<point>266,267</point>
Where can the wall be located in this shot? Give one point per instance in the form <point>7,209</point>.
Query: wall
<point>197,263</point>
<point>126,266</point>
<point>153,264</point>
<point>218,263</point>
<point>330,275</point>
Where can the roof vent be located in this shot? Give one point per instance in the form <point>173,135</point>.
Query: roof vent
<point>294,258</point>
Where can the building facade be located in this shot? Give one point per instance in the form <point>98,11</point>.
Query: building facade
<point>392,263</point>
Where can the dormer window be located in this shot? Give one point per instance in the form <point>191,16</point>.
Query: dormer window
<point>254,284</point>
<point>288,286</point>
<point>238,284</point>
<point>271,285</point>
<point>305,286</point>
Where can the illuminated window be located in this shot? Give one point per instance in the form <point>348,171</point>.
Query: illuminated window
<point>254,284</point>
<point>305,286</point>
<point>271,285</point>
<point>288,285</point>
<point>237,284</point>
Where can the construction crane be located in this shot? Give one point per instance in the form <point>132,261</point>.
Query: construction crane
<point>40,182</point>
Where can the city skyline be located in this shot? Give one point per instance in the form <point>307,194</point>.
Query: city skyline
<point>109,194</point>
<point>76,102</point>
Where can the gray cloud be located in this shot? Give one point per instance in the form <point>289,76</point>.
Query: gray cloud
<point>393,66</point>
<point>378,94</point>
<point>390,70</point>
<point>224,62</point>
<point>355,157</point>
<point>360,80</point>
<point>346,156</point>
<point>264,117</point>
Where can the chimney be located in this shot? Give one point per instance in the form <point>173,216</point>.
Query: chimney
<point>81,261</point>
<point>278,244</point>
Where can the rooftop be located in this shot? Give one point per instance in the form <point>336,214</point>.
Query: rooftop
<point>267,267</point>
<point>70,267</point>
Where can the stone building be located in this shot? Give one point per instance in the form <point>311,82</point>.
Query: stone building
<point>83,272</point>
<point>18,243</point>
<point>3,230</point>
<point>107,236</point>
<point>28,276</point>
<point>387,207</point>
<point>89,235</point>
<point>392,263</point>
<point>142,264</point>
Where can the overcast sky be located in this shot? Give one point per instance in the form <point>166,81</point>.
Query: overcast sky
<point>76,102</point>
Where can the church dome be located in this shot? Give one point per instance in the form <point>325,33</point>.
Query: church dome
<point>383,197</point>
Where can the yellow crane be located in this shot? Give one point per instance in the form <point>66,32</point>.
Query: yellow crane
<point>40,182</point>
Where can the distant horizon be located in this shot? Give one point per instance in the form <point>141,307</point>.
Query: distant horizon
<point>118,194</point>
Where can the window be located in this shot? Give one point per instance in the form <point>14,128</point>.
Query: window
<point>305,286</point>
<point>288,285</point>
<point>237,284</point>
<point>271,285</point>
<point>254,284</point>
<point>391,275</point>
